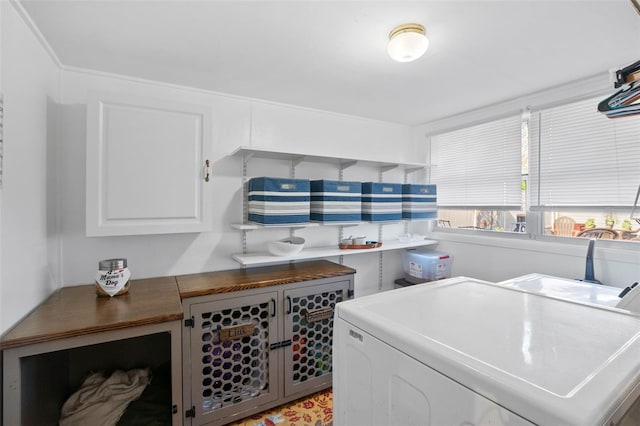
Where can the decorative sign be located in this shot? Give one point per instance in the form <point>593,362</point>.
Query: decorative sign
<point>236,331</point>
<point>320,314</point>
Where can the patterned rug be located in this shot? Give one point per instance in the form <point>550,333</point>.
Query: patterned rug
<point>313,410</point>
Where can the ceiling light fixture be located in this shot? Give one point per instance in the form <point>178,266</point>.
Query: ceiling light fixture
<point>407,42</point>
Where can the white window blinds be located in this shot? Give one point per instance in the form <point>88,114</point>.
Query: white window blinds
<point>582,158</point>
<point>479,166</point>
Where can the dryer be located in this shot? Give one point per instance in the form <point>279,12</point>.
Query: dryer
<point>468,352</point>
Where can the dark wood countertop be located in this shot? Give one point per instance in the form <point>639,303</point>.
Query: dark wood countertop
<point>76,311</point>
<point>242,279</point>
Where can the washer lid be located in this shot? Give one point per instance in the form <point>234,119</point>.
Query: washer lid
<point>550,360</point>
<point>565,288</point>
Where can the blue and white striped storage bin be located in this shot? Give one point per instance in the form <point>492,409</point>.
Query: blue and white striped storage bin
<point>381,201</point>
<point>419,202</point>
<point>277,201</point>
<point>335,201</point>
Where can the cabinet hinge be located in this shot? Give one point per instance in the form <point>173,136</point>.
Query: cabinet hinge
<point>191,412</point>
<point>174,409</point>
<point>190,322</point>
<point>350,294</point>
<point>280,344</point>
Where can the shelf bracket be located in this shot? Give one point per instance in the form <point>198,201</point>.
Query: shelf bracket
<point>340,235</point>
<point>380,262</point>
<point>245,200</point>
<point>246,157</point>
<point>294,163</point>
<point>413,169</point>
<point>297,160</point>
<point>244,241</point>
<point>346,164</point>
<point>384,169</point>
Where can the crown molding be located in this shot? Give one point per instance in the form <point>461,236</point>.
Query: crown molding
<point>209,92</point>
<point>17,5</point>
<point>596,85</point>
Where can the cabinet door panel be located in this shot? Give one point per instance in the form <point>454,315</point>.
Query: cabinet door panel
<point>145,166</point>
<point>232,366</point>
<point>308,323</point>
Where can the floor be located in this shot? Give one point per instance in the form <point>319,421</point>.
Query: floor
<point>313,410</point>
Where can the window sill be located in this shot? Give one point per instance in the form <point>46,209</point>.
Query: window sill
<point>619,251</point>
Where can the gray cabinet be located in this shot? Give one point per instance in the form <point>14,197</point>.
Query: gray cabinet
<point>232,364</point>
<point>250,350</point>
<point>308,324</point>
<point>47,356</point>
<point>38,378</point>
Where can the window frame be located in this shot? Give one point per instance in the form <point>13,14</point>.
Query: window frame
<point>534,215</point>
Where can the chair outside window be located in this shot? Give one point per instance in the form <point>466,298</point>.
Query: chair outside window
<point>628,234</point>
<point>600,233</point>
<point>564,226</point>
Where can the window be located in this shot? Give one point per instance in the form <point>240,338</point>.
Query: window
<point>569,167</point>
<point>479,175</point>
<point>585,167</point>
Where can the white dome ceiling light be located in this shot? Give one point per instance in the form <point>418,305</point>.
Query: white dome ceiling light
<point>407,42</point>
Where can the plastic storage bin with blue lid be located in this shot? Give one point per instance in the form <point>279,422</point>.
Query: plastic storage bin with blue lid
<point>422,265</point>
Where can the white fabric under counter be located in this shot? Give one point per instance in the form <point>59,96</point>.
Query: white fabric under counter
<point>538,359</point>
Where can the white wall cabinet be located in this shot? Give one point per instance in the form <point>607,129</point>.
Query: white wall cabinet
<point>148,166</point>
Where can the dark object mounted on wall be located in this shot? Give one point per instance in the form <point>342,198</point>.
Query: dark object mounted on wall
<point>627,75</point>
<point>626,101</point>
<point>635,216</point>
<point>589,275</point>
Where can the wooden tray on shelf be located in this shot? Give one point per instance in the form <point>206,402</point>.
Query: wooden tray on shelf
<point>369,245</point>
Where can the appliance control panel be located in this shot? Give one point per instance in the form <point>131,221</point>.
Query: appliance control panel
<point>630,298</point>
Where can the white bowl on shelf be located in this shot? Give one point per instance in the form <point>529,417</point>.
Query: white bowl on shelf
<point>286,247</point>
<point>410,238</point>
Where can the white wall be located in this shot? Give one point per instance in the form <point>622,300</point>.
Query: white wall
<point>497,258</point>
<point>29,239</point>
<point>237,122</point>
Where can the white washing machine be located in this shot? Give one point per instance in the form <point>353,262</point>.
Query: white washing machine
<point>468,352</point>
<point>578,291</point>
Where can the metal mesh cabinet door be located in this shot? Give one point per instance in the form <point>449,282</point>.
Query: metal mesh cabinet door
<point>232,368</point>
<point>308,323</point>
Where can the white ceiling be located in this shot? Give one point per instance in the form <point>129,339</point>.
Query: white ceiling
<point>331,55</point>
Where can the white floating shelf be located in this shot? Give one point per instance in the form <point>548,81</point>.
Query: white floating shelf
<point>263,258</point>
<point>254,226</point>
<point>344,162</point>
